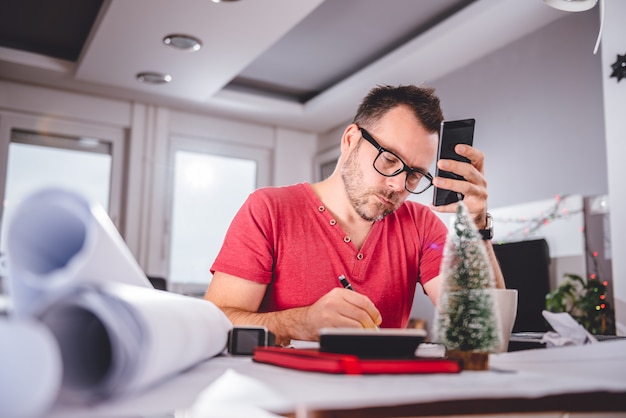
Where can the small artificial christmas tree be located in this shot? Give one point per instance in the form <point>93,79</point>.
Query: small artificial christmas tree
<point>466,320</point>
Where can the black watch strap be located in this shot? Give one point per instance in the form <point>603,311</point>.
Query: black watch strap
<point>487,233</point>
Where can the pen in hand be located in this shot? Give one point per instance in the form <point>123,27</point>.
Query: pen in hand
<point>345,283</point>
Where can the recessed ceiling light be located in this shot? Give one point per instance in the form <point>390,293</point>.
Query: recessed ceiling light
<point>183,42</point>
<point>224,1</point>
<point>571,5</point>
<point>154,78</point>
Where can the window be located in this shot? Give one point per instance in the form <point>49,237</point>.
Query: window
<point>79,157</point>
<point>37,161</point>
<point>210,182</point>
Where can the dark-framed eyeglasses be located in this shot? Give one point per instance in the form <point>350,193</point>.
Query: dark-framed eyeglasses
<point>389,164</point>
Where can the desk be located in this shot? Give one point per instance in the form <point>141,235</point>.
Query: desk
<point>568,379</point>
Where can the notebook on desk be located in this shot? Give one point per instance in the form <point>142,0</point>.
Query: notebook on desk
<point>313,360</point>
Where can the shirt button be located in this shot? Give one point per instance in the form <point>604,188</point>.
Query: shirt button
<point>359,256</point>
<point>321,208</point>
<point>333,222</point>
<point>347,239</point>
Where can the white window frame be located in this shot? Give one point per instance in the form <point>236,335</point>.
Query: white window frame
<point>10,121</point>
<point>262,156</point>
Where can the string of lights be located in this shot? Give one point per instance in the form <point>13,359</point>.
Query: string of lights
<point>528,226</point>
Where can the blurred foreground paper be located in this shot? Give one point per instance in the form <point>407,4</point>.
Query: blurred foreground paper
<point>30,369</point>
<point>57,238</point>
<point>115,338</point>
<point>70,270</point>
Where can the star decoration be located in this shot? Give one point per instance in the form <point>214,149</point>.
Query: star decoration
<point>619,68</point>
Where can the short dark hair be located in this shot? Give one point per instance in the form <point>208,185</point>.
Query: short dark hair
<point>421,100</point>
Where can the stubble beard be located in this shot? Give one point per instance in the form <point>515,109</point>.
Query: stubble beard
<point>360,195</point>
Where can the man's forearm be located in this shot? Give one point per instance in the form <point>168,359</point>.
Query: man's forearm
<point>285,325</point>
<point>495,265</point>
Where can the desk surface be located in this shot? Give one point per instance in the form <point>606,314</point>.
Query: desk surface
<point>574,379</point>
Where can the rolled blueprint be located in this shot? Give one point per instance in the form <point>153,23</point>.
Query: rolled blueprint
<point>116,338</point>
<point>57,237</point>
<point>70,271</point>
<point>30,368</point>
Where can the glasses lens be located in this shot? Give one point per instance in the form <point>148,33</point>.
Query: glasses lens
<point>388,164</point>
<point>417,182</point>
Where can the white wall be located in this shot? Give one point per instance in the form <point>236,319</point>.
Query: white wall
<point>288,167</point>
<point>332,138</point>
<point>539,114</point>
<point>613,44</point>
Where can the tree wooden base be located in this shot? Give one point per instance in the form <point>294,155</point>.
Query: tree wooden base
<point>472,360</point>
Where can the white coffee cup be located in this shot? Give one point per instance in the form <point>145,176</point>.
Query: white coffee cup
<point>505,303</point>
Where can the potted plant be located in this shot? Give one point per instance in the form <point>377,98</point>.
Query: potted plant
<point>585,301</point>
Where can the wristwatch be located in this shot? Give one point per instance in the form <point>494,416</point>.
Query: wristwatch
<point>487,233</point>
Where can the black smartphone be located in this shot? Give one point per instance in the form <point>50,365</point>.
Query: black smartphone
<point>452,132</point>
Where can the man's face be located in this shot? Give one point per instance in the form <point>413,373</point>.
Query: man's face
<point>373,195</point>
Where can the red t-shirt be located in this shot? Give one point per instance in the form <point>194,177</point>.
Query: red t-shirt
<point>285,238</point>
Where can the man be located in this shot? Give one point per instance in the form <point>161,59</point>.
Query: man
<point>287,246</point>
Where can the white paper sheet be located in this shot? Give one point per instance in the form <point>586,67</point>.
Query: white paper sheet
<point>70,270</point>
<point>568,331</point>
<point>236,395</point>
<point>604,362</point>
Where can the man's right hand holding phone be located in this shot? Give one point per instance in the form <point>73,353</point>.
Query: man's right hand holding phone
<point>459,172</point>
<point>473,188</point>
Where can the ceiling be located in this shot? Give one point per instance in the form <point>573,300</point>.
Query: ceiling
<point>301,64</point>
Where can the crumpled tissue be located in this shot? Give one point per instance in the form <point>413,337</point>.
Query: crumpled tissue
<point>566,331</point>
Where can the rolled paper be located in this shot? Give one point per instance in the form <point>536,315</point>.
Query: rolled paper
<point>70,269</point>
<point>30,369</point>
<point>117,338</point>
<point>55,238</point>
